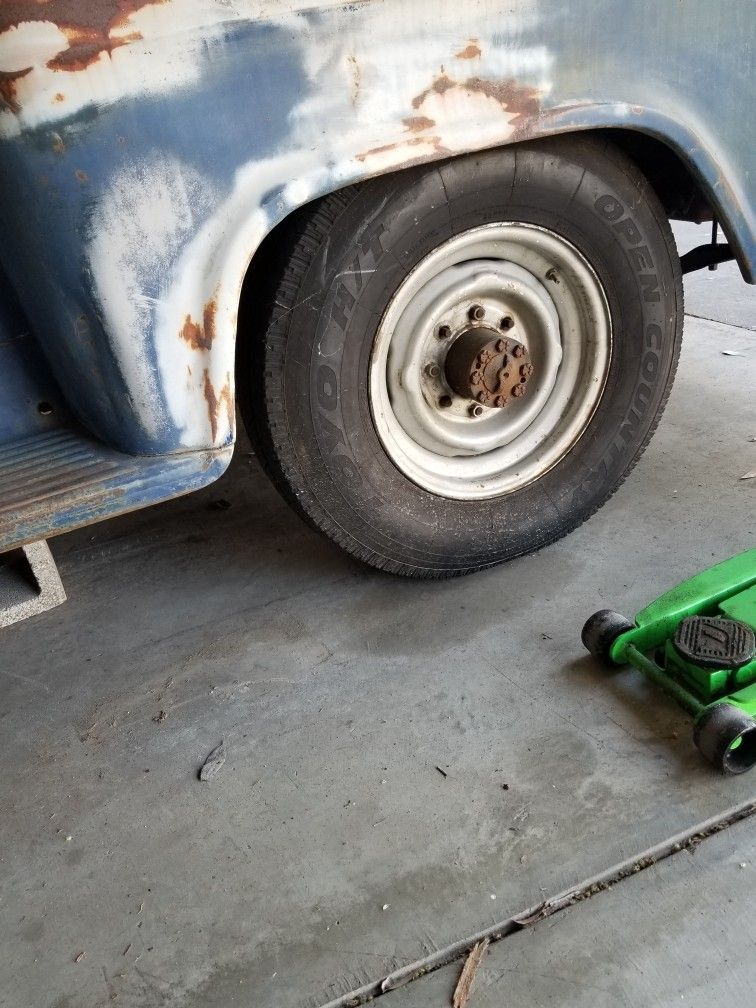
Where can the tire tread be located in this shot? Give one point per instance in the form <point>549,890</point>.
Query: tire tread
<point>262,357</point>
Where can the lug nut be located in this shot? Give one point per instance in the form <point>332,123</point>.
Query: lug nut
<point>499,400</point>
<point>475,410</point>
<point>526,370</point>
<point>519,351</point>
<point>507,322</point>
<point>481,397</point>
<point>518,390</point>
<point>477,313</point>
<point>445,402</point>
<point>432,370</point>
<point>444,332</point>
<point>501,346</point>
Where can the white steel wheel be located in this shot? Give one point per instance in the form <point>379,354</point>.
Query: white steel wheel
<point>457,364</point>
<point>490,361</point>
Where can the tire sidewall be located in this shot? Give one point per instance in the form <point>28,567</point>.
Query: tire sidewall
<point>387,229</point>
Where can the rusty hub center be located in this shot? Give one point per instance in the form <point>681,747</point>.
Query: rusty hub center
<point>490,368</point>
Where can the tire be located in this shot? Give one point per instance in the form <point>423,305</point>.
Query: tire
<point>726,736</point>
<point>326,282</point>
<point>600,632</point>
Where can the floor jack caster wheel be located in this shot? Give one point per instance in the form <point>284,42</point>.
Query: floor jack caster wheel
<point>726,736</point>
<point>601,631</point>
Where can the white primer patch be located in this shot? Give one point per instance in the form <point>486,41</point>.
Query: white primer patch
<point>162,221</point>
<point>147,213</point>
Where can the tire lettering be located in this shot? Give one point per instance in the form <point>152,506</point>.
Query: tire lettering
<point>654,336</point>
<point>332,434</point>
<point>348,285</point>
<point>348,470</point>
<point>627,431</point>
<point>369,251</point>
<point>642,398</point>
<point>343,302</point>
<point>373,247</point>
<point>653,339</point>
<point>629,230</point>
<point>610,207</point>
<point>650,365</point>
<point>355,275</point>
<point>640,255</point>
<point>328,395</point>
<point>332,340</point>
<point>650,285</point>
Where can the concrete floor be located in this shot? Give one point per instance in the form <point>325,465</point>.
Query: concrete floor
<point>678,934</point>
<point>330,849</point>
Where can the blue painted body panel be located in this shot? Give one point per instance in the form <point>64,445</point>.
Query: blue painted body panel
<point>139,179</point>
<point>30,400</point>
<point>56,179</point>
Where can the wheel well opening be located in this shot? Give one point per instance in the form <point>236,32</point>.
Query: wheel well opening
<point>678,189</point>
<point>680,192</point>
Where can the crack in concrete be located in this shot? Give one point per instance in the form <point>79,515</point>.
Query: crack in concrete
<point>688,839</point>
<point>726,325</point>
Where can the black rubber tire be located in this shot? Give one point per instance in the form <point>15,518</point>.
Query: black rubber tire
<point>317,291</point>
<point>601,631</point>
<point>717,728</point>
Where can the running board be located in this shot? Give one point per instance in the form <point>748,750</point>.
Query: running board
<point>64,479</point>
<point>29,583</point>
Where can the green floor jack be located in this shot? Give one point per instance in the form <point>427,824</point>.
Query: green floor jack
<point>697,643</point>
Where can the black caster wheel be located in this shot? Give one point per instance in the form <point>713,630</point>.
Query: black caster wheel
<point>727,738</point>
<point>602,630</point>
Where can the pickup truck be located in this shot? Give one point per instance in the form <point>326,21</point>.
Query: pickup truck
<point>425,247</point>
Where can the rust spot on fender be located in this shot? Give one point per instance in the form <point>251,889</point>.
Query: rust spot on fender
<point>201,336</point>
<point>87,25</point>
<point>8,81</point>
<point>388,147</point>
<point>86,47</point>
<point>434,141</point>
<point>217,400</point>
<point>81,175</point>
<point>60,97</point>
<point>520,101</point>
<point>416,124</point>
<point>524,101</point>
<point>471,51</point>
<point>439,86</point>
<point>191,333</point>
<point>404,153</point>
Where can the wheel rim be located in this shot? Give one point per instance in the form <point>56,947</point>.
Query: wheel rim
<point>508,297</point>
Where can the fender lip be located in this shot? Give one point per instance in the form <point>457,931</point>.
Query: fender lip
<point>712,174</point>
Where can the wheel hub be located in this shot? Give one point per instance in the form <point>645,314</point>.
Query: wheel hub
<point>490,360</point>
<point>485,366</point>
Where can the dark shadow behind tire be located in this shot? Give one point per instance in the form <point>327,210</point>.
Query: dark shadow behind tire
<point>316,293</point>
